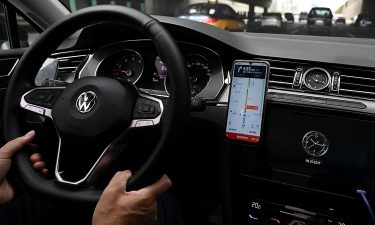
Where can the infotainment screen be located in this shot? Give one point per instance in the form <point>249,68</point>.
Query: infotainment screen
<point>247,101</point>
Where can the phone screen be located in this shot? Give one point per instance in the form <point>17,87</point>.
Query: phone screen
<point>246,101</point>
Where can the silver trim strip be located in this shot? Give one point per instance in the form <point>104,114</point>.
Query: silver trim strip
<point>280,75</point>
<point>87,61</point>
<point>67,68</point>
<point>369,104</point>
<point>69,52</point>
<point>72,56</point>
<point>279,82</point>
<point>361,78</point>
<point>279,68</point>
<point>339,84</point>
<point>13,67</point>
<point>359,85</point>
<point>355,91</point>
<point>92,169</point>
<point>157,93</point>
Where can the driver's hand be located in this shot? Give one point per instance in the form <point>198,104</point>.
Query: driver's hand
<point>119,207</point>
<point>6,153</point>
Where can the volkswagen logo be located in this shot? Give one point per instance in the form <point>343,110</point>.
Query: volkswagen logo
<point>86,102</point>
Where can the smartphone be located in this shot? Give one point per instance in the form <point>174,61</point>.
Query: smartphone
<point>247,99</point>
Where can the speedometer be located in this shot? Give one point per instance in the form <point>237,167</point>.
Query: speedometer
<point>129,67</point>
<point>199,72</point>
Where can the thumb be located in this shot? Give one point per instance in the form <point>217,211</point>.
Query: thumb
<point>13,146</point>
<point>159,187</point>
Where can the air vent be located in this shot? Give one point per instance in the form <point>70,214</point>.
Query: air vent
<point>70,64</point>
<point>282,73</point>
<point>357,83</point>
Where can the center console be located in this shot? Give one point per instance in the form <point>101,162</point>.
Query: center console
<point>306,171</point>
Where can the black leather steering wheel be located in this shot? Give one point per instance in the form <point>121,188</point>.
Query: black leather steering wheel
<point>94,112</point>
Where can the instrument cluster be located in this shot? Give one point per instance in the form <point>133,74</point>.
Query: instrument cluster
<point>138,62</point>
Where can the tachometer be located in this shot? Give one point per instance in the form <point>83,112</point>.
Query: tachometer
<point>129,67</point>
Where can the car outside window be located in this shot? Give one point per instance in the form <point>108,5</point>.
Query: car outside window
<point>320,12</point>
<point>357,17</point>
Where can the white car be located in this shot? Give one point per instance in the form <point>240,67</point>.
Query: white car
<point>271,20</point>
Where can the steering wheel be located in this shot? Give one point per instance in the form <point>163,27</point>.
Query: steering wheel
<point>93,115</point>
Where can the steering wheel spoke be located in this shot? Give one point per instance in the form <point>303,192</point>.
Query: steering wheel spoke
<point>147,112</point>
<point>41,100</point>
<point>84,169</point>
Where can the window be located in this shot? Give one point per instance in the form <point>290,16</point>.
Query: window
<point>3,28</point>
<point>15,32</point>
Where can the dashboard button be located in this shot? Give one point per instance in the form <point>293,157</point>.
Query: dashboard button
<point>314,100</point>
<point>297,79</point>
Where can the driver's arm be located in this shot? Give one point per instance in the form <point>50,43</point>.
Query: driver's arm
<point>119,207</point>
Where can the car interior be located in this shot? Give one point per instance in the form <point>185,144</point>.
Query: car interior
<point>109,88</point>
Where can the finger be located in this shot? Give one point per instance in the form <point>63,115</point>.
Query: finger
<point>45,171</point>
<point>10,148</point>
<point>119,180</point>
<point>39,165</point>
<point>33,147</point>
<point>36,157</point>
<point>157,188</point>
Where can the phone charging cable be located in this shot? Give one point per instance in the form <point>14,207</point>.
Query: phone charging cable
<point>363,194</point>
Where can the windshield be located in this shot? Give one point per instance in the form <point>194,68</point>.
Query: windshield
<point>339,18</point>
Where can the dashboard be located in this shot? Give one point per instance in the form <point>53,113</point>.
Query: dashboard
<point>321,90</point>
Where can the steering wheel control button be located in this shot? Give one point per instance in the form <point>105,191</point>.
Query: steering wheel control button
<point>315,143</point>
<point>144,123</point>
<point>43,97</point>
<point>146,109</point>
<point>35,109</point>
<point>86,101</point>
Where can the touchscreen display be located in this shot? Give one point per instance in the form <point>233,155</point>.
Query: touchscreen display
<point>246,101</point>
